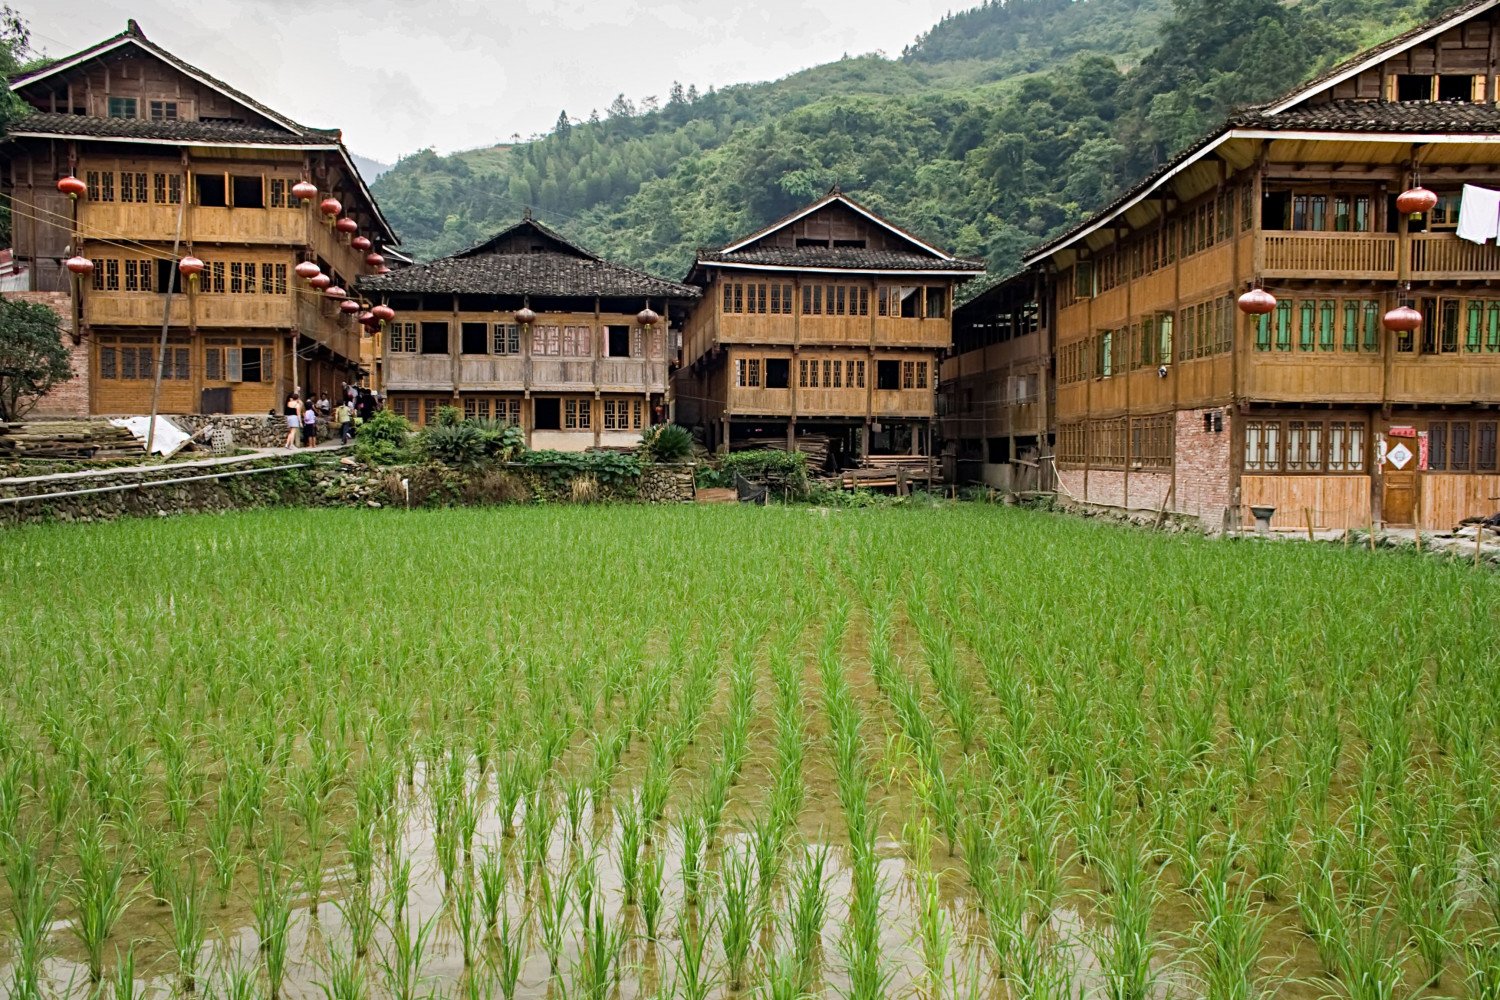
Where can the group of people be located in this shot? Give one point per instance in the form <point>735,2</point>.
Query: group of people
<point>303,415</point>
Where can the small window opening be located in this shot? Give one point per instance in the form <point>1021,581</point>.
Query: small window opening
<point>1410,87</point>
<point>212,192</point>
<point>778,373</point>
<point>1454,87</point>
<point>804,241</point>
<point>546,414</point>
<point>249,192</point>
<point>474,338</point>
<point>887,374</point>
<point>251,366</point>
<point>619,341</point>
<point>434,338</point>
<point>855,244</point>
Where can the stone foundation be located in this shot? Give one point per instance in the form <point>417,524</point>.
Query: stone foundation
<point>250,430</point>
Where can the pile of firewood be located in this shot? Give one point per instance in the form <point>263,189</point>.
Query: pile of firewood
<point>814,446</point>
<point>67,439</point>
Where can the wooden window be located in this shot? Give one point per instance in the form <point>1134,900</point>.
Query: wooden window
<point>610,416</point>
<point>212,278</point>
<point>739,297</point>
<point>132,187</point>
<point>747,373</point>
<point>473,338</point>
<point>164,111</point>
<point>778,373</point>
<point>107,275</point>
<point>507,338</point>
<point>757,303</point>
<point>908,375</point>
<point>1346,446</point>
<point>1151,441</point>
<point>859,370</point>
<point>213,364</point>
<point>1072,443</point>
<point>122,107</point>
<point>109,362</point>
<point>1325,324</point>
<point>1448,327</point>
<point>1459,459</point>
<point>921,374</point>
<point>828,373</point>
<point>1309,212</point>
<point>577,342</point>
<point>577,414</point>
<point>434,337</point>
<point>403,338</point>
<point>1107,443</point>
<point>512,411</point>
<point>1262,445</point>
<point>546,341</point>
<point>1104,355</point>
<point>1304,445</point>
<point>278,192</point>
<point>802,374</point>
<point>728,304</point>
<point>1307,325</point>
<point>1484,446</point>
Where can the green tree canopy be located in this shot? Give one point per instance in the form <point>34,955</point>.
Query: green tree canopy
<point>33,358</point>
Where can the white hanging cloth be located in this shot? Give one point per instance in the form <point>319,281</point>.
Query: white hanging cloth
<point>1479,214</point>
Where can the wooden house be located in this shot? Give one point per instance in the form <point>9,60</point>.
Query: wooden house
<point>1169,397</point>
<point>995,390</point>
<point>830,322</point>
<point>530,328</point>
<point>176,164</point>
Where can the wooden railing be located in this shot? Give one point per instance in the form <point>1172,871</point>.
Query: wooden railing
<point>1349,255</point>
<point>1443,255</point>
<point>484,371</point>
<point>560,374</point>
<point>418,371</point>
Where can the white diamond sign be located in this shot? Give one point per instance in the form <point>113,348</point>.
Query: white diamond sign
<point>1399,456</point>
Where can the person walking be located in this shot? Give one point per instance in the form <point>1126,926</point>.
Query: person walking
<point>344,416</point>
<point>292,412</point>
<point>310,426</point>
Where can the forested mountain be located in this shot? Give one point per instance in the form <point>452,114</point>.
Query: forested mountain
<point>999,126</point>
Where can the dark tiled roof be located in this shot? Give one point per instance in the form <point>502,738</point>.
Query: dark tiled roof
<point>844,258</point>
<point>530,225</point>
<point>1378,116</point>
<point>179,131</point>
<point>540,274</point>
<point>1375,52</point>
<point>134,34</point>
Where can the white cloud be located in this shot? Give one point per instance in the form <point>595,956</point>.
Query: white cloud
<point>397,75</point>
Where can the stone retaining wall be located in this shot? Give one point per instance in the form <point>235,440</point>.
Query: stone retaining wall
<point>344,483</point>
<point>250,430</point>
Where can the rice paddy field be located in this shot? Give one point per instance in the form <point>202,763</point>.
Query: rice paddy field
<point>626,752</point>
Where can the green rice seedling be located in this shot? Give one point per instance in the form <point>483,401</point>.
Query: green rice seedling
<point>343,976</point>
<point>1374,963</point>
<point>575,797</point>
<point>599,946</point>
<point>629,843</point>
<point>1230,932</point>
<point>314,871</point>
<point>1481,968</point>
<point>1272,847</point>
<point>236,978</point>
<point>653,889</point>
<point>34,894</point>
<point>510,948</point>
<point>100,896</point>
<point>361,915</point>
<point>223,860</point>
<point>359,848</point>
<point>272,910</point>
<point>809,911</point>
<point>552,911</point>
<point>1130,946</point>
<point>398,881</point>
<point>189,929</point>
<point>1321,915</point>
<point>402,951</point>
<point>767,835</point>
<point>737,928</point>
<point>934,931</point>
<point>536,829</point>
<point>159,853</point>
<point>463,905</point>
<point>491,875</point>
<point>694,840</point>
<point>695,979</point>
<point>122,983</point>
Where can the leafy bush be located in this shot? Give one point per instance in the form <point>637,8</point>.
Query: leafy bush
<point>667,443</point>
<point>449,416</point>
<point>558,469</point>
<point>786,468</point>
<point>383,439</point>
<point>462,445</point>
<point>502,441</point>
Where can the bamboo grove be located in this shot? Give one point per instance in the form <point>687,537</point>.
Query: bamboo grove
<point>707,752</point>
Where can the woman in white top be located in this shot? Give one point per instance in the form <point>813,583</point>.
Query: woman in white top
<point>310,426</point>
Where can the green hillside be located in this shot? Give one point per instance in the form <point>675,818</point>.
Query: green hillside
<point>999,126</point>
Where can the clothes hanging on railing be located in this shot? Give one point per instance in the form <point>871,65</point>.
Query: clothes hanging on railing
<point>1479,214</point>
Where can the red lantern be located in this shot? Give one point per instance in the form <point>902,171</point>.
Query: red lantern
<point>349,306</point>
<point>374,259</point>
<point>382,269</point>
<point>320,281</point>
<point>71,186</point>
<point>647,317</point>
<point>307,270</point>
<point>1257,302</point>
<point>1417,201</point>
<point>331,207</point>
<point>525,316</point>
<point>335,292</point>
<point>79,265</point>
<point>383,313</point>
<point>346,225</point>
<point>367,319</point>
<point>190,266</point>
<point>304,191</point>
<point>360,243</point>
<point>1402,319</point>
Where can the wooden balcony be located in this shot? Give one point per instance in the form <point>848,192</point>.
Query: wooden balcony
<point>1441,256</point>
<point>428,372</point>
<point>274,226</point>
<point>145,309</point>
<point>486,372</point>
<point>559,374</point>
<point>1368,256</point>
<point>133,309</point>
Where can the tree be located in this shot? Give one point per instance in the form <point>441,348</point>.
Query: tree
<point>32,357</point>
<point>563,128</point>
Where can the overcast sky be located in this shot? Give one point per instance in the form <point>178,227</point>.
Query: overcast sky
<point>454,74</point>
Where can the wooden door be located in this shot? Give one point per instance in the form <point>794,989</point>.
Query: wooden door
<point>1398,468</point>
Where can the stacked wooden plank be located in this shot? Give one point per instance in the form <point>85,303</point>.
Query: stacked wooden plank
<point>899,471</point>
<point>67,439</point>
<point>814,446</point>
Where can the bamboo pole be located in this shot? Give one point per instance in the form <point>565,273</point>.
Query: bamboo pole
<point>1478,542</point>
<point>1307,511</point>
<point>1416,516</point>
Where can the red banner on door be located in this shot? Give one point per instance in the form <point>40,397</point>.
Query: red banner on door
<point>1403,431</point>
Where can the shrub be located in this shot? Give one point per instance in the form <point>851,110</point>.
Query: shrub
<point>449,416</point>
<point>462,445</point>
<point>667,443</point>
<point>502,441</point>
<point>496,486</point>
<point>558,469</point>
<point>383,439</point>
<point>787,469</point>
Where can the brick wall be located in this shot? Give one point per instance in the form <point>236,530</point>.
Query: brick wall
<point>1106,487</point>
<point>1148,490</point>
<point>1202,467</point>
<point>71,399</point>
